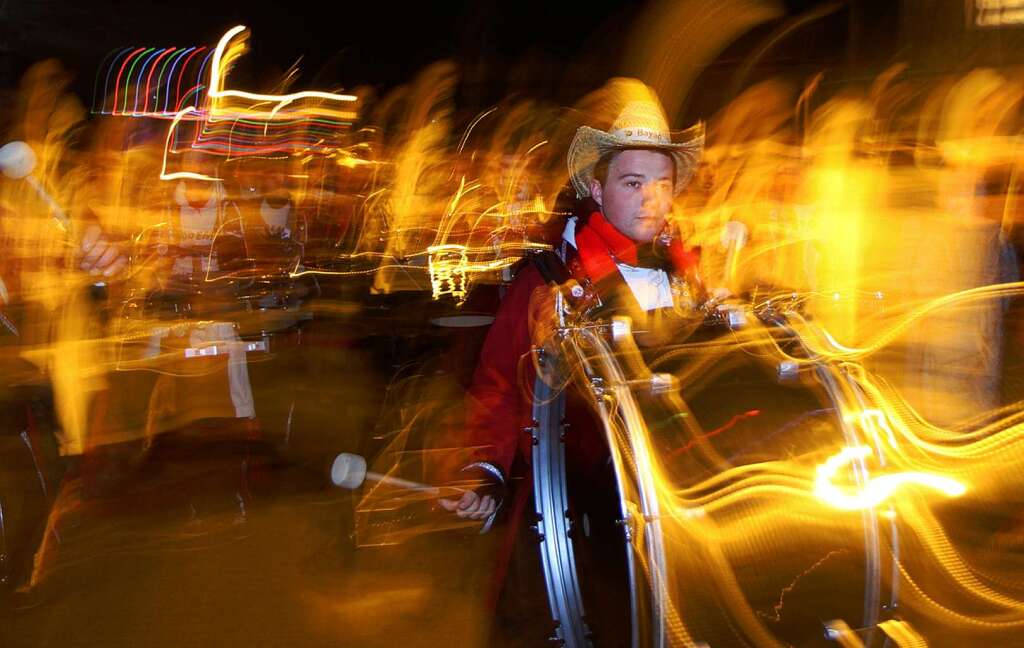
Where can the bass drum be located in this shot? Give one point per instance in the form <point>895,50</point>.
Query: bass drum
<point>704,529</point>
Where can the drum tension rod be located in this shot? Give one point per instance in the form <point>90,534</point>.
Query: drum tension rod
<point>627,528</point>
<point>658,383</point>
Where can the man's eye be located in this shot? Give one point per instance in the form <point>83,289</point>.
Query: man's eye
<point>634,184</point>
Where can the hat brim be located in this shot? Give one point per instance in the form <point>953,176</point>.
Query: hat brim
<point>590,145</point>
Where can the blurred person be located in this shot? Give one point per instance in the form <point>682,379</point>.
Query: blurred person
<point>51,303</point>
<point>179,323</point>
<point>205,231</point>
<point>273,225</point>
<point>626,179</point>
<point>54,278</point>
<point>36,429</point>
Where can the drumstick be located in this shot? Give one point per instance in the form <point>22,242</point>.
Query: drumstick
<point>349,471</point>
<point>18,161</point>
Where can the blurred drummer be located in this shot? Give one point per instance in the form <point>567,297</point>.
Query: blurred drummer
<point>619,247</point>
<point>204,234</point>
<point>264,184</point>
<point>272,223</point>
<point>202,209</point>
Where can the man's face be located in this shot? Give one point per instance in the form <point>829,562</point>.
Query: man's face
<point>637,195</point>
<point>197,192</point>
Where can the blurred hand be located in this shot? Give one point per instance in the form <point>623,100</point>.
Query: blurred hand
<point>471,505</point>
<point>100,255</point>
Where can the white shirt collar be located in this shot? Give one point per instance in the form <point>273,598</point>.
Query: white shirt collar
<point>650,286</point>
<point>569,233</point>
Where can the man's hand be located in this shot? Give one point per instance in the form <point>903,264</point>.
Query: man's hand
<point>100,255</point>
<point>471,506</point>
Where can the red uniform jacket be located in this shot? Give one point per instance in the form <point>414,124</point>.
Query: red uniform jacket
<point>500,403</point>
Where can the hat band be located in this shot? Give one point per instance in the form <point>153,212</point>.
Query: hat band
<point>644,135</point>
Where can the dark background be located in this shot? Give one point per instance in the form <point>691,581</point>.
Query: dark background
<point>556,51</point>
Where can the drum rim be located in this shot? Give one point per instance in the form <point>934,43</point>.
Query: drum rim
<point>551,497</point>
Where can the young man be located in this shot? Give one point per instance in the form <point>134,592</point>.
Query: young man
<point>631,173</point>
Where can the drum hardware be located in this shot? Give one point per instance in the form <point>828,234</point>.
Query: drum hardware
<point>561,309</point>
<point>731,316</point>
<point>848,396</point>
<point>833,633</point>
<point>621,328</point>
<point>735,318</point>
<point>627,528</point>
<point>788,371</point>
<point>562,333</point>
<point>634,489</point>
<point>583,296</point>
<point>839,630</point>
<point>252,346</point>
<point>658,383</point>
<point>154,339</point>
<point>663,383</point>
<point>553,526</point>
<point>573,301</point>
<point>8,324</point>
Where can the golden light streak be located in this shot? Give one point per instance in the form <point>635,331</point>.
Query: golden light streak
<point>903,634</point>
<point>877,489</point>
<point>267,108</point>
<point>180,175</point>
<point>218,74</point>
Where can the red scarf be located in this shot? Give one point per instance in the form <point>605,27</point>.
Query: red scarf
<point>601,245</point>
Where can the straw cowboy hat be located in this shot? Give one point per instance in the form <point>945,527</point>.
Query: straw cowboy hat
<point>641,124</point>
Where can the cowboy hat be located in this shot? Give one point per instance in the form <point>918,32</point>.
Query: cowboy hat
<point>641,124</point>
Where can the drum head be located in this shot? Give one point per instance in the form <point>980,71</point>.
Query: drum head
<point>704,525</point>
<point>600,545</point>
<point>748,543</point>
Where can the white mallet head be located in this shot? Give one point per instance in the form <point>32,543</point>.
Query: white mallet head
<point>17,160</point>
<point>348,470</point>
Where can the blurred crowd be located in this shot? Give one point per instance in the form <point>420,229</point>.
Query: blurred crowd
<point>179,254</point>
